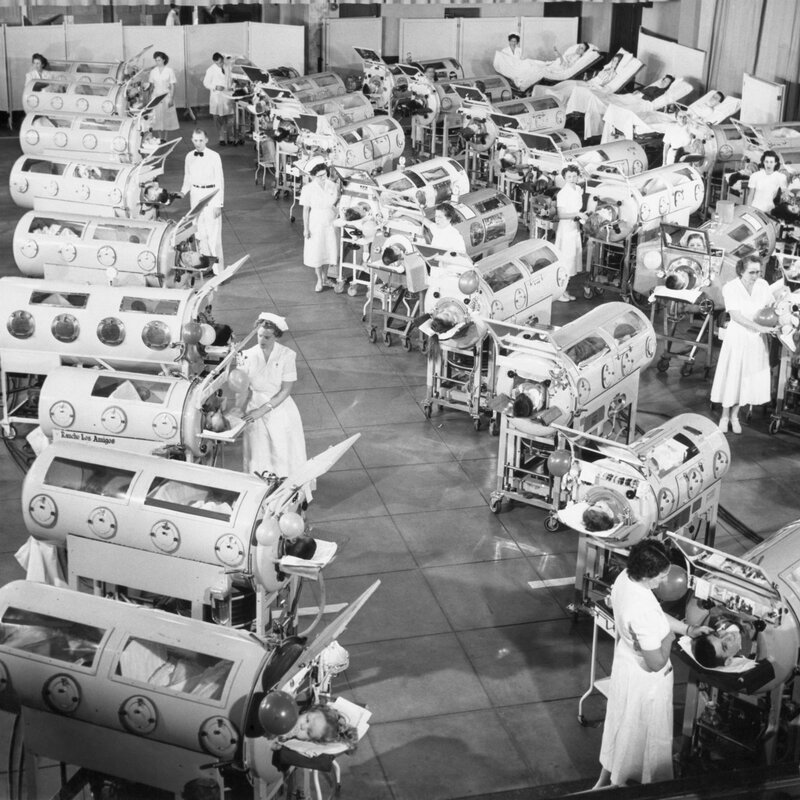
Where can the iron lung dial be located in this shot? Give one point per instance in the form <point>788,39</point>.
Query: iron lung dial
<point>114,419</point>
<point>62,414</point>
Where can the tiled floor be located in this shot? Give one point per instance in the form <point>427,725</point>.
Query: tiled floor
<point>473,677</point>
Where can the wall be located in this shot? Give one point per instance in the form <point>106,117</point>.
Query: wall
<point>664,18</point>
<point>596,24</point>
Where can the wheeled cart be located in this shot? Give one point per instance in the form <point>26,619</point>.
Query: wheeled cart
<point>462,379</point>
<point>394,301</point>
<point>523,473</point>
<point>787,403</point>
<point>602,620</point>
<point>608,265</point>
<point>684,323</point>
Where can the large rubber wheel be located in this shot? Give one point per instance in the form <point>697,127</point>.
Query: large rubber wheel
<point>495,504</point>
<point>552,523</point>
<point>587,292</point>
<point>352,291</point>
<point>339,287</point>
<point>662,365</point>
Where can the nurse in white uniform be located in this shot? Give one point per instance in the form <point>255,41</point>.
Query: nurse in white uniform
<point>569,202</point>
<point>743,376</point>
<point>444,236</point>
<point>513,49</point>
<point>319,198</point>
<point>637,734</point>
<point>767,183</point>
<point>163,80</point>
<point>274,441</point>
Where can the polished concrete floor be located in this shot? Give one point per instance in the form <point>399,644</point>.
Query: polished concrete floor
<point>467,655</point>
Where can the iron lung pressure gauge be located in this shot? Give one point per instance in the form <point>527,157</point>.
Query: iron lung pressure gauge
<point>62,414</point>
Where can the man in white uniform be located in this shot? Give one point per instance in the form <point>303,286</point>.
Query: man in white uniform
<point>174,17</point>
<point>201,177</point>
<point>220,105</point>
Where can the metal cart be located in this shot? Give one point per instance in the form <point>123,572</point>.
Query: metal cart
<point>394,299</point>
<point>462,379</point>
<point>608,265</point>
<point>686,322</point>
<point>602,620</point>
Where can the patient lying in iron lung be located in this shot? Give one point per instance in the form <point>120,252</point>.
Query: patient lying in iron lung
<point>731,638</point>
<point>599,516</point>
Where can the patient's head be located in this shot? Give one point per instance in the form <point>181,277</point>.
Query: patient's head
<point>323,724</point>
<point>599,516</point>
<point>715,99</point>
<point>718,648</point>
<point>581,49</point>
<point>696,241</point>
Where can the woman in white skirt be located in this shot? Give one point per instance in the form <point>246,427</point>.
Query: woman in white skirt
<point>637,733</point>
<point>569,202</point>
<point>743,374</point>
<point>274,441</point>
<point>163,81</point>
<point>319,198</point>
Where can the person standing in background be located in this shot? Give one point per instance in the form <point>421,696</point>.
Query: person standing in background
<point>743,376</point>
<point>319,198</point>
<point>38,70</point>
<point>766,186</point>
<point>220,103</point>
<point>163,81</point>
<point>173,17</point>
<point>513,49</point>
<point>203,176</point>
<point>569,205</point>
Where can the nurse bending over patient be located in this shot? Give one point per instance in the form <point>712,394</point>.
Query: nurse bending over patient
<point>637,735</point>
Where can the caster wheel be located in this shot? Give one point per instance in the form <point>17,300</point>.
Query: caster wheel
<point>423,348</point>
<point>582,721</point>
<point>599,292</point>
<point>286,194</point>
<point>339,287</point>
<point>494,428</point>
<point>291,219</point>
<point>427,410</point>
<point>552,524</point>
<point>587,292</point>
<point>495,504</point>
<point>373,335</point>
<point>352,291</point>
<point>686,370</point>
<point>10,433</point>
<point>387,339</point>
<point>774,426</point>
<point>407,346</point>
<point>476,423</point>
<point>276,194</point>
<point>626,298</point>
<point>363,318</point>
<point>662,365</point>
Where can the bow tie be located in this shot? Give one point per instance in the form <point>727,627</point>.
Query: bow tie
<point>198,153</point>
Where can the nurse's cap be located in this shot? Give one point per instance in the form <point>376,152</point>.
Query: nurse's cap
<point>278,322</point>
<point>514,34</point>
